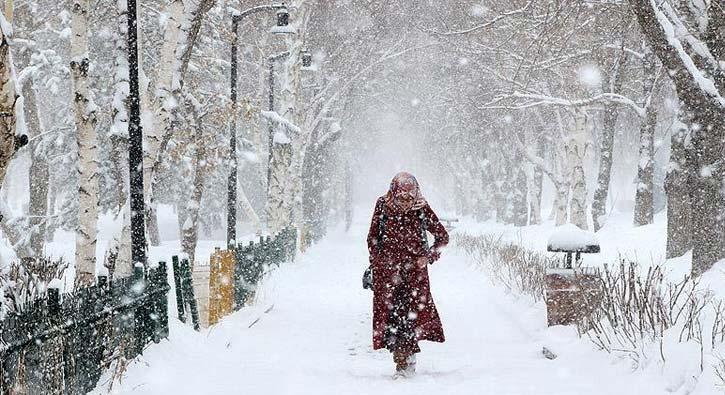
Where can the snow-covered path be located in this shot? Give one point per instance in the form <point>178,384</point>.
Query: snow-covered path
<point>315,339</point>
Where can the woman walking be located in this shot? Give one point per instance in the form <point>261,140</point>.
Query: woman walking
<point>403,308</point>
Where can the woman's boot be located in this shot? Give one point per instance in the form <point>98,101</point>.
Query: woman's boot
<point>401,364</point>
<point>410,369</point>
<point>404,364</point>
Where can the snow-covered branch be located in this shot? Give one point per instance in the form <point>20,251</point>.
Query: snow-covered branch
<point>281,126</point>
<point>488,24</point>
<point>534,100</point>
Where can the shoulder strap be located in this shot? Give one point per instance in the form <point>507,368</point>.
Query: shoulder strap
<point>381,227</point>
<point>423,226</point>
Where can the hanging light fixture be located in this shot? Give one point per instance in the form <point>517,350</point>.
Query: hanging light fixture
<point>282,16</point>
<point>306,58</point>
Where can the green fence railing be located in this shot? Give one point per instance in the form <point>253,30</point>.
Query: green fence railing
<point>254,259</point>
<point>63,343</point>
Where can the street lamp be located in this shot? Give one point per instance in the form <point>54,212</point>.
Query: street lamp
<point>282,16</point>
<point>135,142</point>
<point>282,23</point>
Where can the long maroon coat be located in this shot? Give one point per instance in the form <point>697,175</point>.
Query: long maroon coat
<point>402,244</point>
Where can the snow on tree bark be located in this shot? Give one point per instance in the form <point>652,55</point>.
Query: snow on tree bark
<point>677,181</point>
<point>189,229</point>
<point>85,119</point>
<point>38,176</point>
<point>534,177</point>
<point>288,152</point>
<point>611,83</point>
<point>7,103</point>
<point>279,210</point>
<point>644,198</point>
<point>118,257</point>
<point>575,148</point>
<point>180,37</point>
<point>165,104</point>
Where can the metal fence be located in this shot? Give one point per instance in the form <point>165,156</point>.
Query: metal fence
<point>63,343</point>
<point>254,259</point>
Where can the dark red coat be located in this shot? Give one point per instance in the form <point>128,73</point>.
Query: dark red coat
<point>402,245</point>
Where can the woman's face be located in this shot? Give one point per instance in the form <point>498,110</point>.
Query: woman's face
<point>404,200</point>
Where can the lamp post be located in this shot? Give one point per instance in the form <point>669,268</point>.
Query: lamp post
<point>135,140</point>
<point>282,21</point>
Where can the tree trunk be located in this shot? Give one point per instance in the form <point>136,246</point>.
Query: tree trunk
<point>561,203</point>
<point>165,104</point>
<point>38,176</point>
<point>290,97</point>
<point>610,84</point>
<point>279,212</point>
<point>190,226</point>
<point>180,37</point>
<point>535,178</point>
<point>85,120</point>
<point>536,192</point>
<point>7,106</point>
<point>677,181</point>
<point>518,196</point>
<point>118,257</point>
<point>644,199</point>
<point>606,145</point>
<point>575,157</point>
<point>708,204</point>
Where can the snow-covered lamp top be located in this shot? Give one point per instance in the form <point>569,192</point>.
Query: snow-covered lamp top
<point>283,30</point>
<point>570,238</point>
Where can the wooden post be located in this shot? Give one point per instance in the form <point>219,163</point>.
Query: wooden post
<point>221,285</point>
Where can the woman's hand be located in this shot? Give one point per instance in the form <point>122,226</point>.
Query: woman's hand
<point>421,262</point>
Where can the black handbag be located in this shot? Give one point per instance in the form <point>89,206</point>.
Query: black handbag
<point>367,279</point>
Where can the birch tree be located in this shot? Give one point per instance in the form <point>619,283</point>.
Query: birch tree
<point>612,81</point>
<point>85,116</point>
<point>644,198</point>
<point>118,256</point>
<point>164,105</point>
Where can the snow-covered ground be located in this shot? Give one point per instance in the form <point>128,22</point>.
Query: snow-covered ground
<point>310,333</point>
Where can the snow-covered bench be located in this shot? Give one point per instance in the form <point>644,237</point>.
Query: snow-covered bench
<point>570,239</point>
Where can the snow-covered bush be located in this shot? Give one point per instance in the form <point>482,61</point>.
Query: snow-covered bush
<point>26,282</point>
<point>518,269</point>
